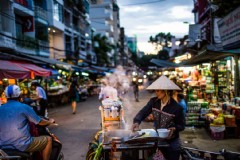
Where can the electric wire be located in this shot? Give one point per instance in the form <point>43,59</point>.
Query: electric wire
<point>142,3</point>
<point>10,17</point>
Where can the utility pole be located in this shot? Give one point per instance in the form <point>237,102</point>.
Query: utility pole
<point>122,40</point>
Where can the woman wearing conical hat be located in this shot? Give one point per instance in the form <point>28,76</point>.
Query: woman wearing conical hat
<point>167,113</point>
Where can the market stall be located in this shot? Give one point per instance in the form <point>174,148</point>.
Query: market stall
<point>17,72</point>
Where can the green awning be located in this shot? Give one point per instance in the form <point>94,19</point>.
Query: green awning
<point>208,56</point>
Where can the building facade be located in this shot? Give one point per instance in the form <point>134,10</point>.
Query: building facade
<point>48,28</point>
<point>104,15</point>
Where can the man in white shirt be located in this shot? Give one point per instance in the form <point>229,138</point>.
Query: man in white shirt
<point>41,97</point>
<point>107,91</point>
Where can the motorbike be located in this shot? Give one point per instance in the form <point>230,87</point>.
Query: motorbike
<point>8,152</point>
<point>189,153</point>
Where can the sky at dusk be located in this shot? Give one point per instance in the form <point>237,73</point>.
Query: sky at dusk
<point>144,18</point>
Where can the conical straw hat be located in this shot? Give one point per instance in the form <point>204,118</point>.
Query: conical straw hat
<point>163,83</point>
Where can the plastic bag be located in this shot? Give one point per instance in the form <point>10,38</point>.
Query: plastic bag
<point>158,155</point>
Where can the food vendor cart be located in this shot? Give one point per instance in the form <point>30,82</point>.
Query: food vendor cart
<point>125,144</point>
<point>115,142</point>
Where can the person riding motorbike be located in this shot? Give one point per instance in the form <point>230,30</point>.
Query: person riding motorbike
<point>15,117</point>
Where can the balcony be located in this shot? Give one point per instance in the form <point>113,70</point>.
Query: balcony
<point>43,48</point>
<point>6,41</point>
<point>40,13</point>
<point>25,3</point>
<point>26,42</point>
<point>76,27</point>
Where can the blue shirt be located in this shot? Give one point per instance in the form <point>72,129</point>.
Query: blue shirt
<point>41,93</point>
<point>14,128</point>
<point>184,105</point>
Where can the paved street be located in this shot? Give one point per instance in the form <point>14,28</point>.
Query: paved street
<point>76,131</point>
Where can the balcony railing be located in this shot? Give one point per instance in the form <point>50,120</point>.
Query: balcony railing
<point>43,46</point>
<point>41,13</point>
<point>6,41</point>
<point>76,27</point>
<point>25,3</point>
<point>26,42</point>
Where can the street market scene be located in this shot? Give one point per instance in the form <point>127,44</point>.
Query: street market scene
<point>119,80</point>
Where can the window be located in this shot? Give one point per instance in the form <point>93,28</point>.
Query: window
<point>1,23</point>
<point>94,1</point>
<point>57,11</point>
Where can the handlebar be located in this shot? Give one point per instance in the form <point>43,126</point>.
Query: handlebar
<point>198,154</point>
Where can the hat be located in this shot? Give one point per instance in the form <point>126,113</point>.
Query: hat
<point>163,83</point>
<point>12,91</point>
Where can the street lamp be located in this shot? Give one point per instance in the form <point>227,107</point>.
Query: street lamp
<point>198,41</point>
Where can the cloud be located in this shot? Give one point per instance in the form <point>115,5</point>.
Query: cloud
<point>180,12</point>
<point>146,20</point>
<point>133,9</point>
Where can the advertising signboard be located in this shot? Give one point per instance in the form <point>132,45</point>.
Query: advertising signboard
<point>229,29</point>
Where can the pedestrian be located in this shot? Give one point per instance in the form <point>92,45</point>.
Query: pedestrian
<point>41,98</point>
<point>179,97</point>
<point>167,113</point>
<point>74,95</point>
<point>15,129</point>
<point>136,91</point>
<point>107,91</point>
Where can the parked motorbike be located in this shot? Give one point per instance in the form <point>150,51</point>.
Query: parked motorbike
<point>189,153</point>
<point>8,152</point>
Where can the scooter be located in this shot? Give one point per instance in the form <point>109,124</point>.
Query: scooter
<point>10,153</point>
<point>189,153</point>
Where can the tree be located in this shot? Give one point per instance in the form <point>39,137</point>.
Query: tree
<point>163,54</point>
<point>102,49</point>
<point>161,38</point>
<point>144,62</point>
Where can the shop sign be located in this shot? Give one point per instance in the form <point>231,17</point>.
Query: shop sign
<point>194,33</point>
<point>216,34</point>
<point>28,24</point>
<point>229,29</point>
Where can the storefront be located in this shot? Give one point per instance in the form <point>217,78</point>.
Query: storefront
<point>20,73</point>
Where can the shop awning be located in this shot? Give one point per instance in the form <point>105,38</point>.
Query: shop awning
<point>164,63</point>
<point>12,71</point>
<point>35,70</point>
<point>21,70</point>
<point>50,61</point>
<point>208,56</point>
<point>98,68</point>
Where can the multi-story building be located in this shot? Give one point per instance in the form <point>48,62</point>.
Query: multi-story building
<point>104,16</point>
<point>48,28</point>
<point>24,27</point>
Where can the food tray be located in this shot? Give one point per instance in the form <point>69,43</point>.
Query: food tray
<point>149,136</point>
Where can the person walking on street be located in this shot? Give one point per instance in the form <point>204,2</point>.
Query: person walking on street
<point>41,98</point>
<point>15,129</point>
<point>136,91</point>
<point>74,96</point>
<point>167,114</point>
